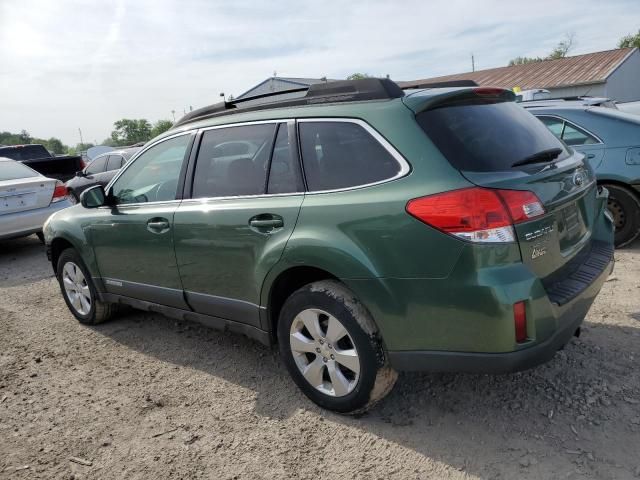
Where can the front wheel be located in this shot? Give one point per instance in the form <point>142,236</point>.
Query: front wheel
<point>332,350</point>
<point>78,290</point>
<point>624,207</point>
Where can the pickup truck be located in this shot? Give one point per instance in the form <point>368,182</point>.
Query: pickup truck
<point>37,157</point>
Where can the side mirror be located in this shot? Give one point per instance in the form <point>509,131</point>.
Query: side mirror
<point>79,173</point>
<point>93,197</point>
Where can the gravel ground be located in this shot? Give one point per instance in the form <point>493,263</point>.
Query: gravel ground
<point>143,396</point>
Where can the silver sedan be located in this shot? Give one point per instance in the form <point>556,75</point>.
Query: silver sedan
<point>27,199</point>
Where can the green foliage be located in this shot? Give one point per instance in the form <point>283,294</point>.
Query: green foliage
<point>560,51</point>
<point>54,145</point>
<point>128,131</point>
<point>358,76</point>
<point>630,41</point>
<point>159,127</point>
<point>524,60</point>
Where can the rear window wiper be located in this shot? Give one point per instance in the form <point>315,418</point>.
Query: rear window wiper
<point>540,157</point>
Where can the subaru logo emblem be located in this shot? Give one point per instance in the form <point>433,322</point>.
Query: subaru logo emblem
<point>578,178</point>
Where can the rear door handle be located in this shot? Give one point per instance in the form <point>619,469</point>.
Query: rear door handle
<point>590,156</point>
<point>158,225</point>
<point>266,222</point>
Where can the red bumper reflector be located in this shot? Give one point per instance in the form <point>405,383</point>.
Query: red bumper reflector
<point>520,321</point>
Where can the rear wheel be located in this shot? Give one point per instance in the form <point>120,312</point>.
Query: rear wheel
<point>624,207</point>
<point>79,291</point>
<point>331,348</point>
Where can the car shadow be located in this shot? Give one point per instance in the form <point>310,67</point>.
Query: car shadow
<point>573,403</point>
<point>23,260</point>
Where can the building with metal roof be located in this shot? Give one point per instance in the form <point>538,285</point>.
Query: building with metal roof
<point>279,84</point>
<point>613,73</point>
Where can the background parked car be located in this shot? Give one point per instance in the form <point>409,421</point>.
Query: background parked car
<point>27,199</point>
<point>610,138</point>
<point>99,172</point>
<point>60,167</point>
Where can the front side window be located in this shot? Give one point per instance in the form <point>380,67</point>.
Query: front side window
<point>154,175</point>
<point>343,154</point>
<point>233,161</point>
<point>570,134</point>
<point>97,166</point>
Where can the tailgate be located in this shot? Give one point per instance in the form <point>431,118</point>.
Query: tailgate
<point>568,193</point>
<point>61,168</point>
<point>25,194</point>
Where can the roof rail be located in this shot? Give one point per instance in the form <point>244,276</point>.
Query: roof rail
<point>446,84</point>
<point>336,91</point>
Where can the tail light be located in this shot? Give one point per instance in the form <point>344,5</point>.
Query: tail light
<point>59,193</point>
<point>520,321</point>
<point>477,214</point>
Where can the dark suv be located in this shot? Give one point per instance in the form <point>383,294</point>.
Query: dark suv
<point>362,228</point>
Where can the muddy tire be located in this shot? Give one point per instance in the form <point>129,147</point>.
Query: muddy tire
<point>78,290</point>
<point>332,349</point>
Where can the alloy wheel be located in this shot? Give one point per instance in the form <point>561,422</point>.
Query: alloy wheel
<point>617,212</point>
<point>324,352</point>
<point>76,288</point>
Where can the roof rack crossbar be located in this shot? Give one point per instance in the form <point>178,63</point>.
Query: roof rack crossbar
<point>445,84</point>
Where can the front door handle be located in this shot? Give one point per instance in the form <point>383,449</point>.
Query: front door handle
<point>590,156</point>
<point>266,222</point>
<point>158,225</point>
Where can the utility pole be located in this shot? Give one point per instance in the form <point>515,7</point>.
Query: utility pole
<point>473,63</point>
<point>80,132</point>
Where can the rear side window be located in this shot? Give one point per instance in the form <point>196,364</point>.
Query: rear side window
<point>114,162</point>
<point>284,173</point>
<point>570,134</point>
<point>97,166</point>
<point>487,137</point>
<point>233,161</point>
<point>342,155</point>
<point>25,152</point>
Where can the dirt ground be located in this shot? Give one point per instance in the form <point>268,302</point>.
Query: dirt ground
<point>143,396</point>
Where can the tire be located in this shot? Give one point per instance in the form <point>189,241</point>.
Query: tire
<point>89,312</point>
<point>337,381</point>
<point>624,206</point>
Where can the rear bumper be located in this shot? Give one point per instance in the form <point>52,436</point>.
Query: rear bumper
<point>480,362</point>
<point>25,223</point>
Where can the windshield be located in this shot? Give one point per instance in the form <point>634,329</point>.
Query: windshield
<point>13,170</point>
<point>488,137</point>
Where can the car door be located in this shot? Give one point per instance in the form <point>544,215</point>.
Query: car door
<point>576,137</point>
<point>133,238</point>
<point>245,198</point>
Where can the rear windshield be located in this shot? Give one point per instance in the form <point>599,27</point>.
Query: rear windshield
<point>26,152</point>
<point>15,170</point>
<point>487,137</point>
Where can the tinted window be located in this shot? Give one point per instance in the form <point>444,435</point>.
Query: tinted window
<point>233,161</point>
<point>114,162</point>
<point>569,133</point>
<point>25,152</point>
<point>284,175</point>
<point>13,170</point>
<point>97,166</point>
<point>153,176</point>
<point>343,154</point>
<point>487,137</point>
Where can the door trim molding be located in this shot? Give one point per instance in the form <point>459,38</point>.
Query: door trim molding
<point>171,297</point>
<point>229,308</point>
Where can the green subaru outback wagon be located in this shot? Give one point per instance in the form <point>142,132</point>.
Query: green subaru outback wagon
<point>363,229</point>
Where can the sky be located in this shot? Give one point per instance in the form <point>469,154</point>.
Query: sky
<point>66,64</point>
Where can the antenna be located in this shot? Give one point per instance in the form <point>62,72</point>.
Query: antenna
<point>473,63</point>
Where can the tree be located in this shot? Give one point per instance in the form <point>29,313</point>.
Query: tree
<point>128,131</point>
<point>630,41</point>
<point>560,51</point>
<point>159,127</point>
<point>524,60</point>
<point>358,76</point>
